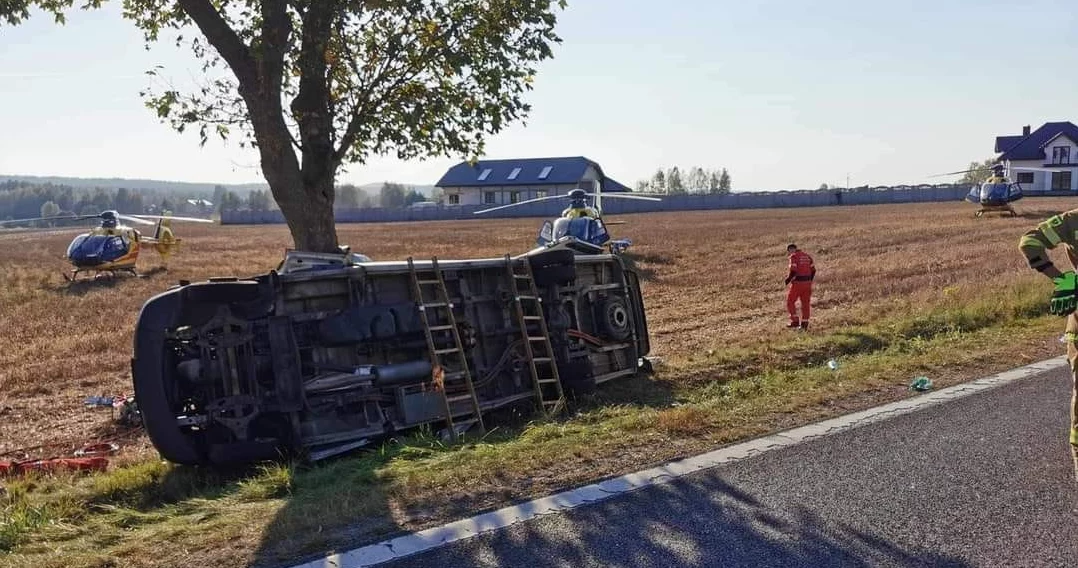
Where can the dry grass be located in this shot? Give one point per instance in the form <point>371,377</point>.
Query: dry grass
<point>902,290</point>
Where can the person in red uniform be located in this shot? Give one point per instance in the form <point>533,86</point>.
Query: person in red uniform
<point>802,272</point>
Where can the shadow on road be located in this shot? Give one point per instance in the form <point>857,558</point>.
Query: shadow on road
<point>699,523</point>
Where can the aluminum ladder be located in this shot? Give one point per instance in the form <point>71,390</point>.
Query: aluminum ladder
<point>528,308</point>
<point>447,358</point>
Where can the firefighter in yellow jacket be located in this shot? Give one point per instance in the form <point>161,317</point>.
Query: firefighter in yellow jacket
<point>1060,230</point>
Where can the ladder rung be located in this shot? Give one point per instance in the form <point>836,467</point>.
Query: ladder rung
<point>441,327</point>
<point>446,351</point>
<point>453,375</point>
<point>541,359</point>
<point>537,338</point>
<point>522,276</point>
<point>533,318</point>
<point>437,305</point>
<point>459,397</point>
<point>428,282</point>
<point>547,381</point>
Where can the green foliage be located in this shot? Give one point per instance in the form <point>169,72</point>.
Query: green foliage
<point>413,196</point>
<point>49,209</point>
<point>341,82</point>
<point>698,180</point>
<point>658,181</point>
<point>352,197</point>
<point>980,175</point>
<point>412,78</point>
<point>724,182</point>
<point>229,201</point>
<point>259,200</point>
<point>674,185</point>
<point>24,199</point>
<point>392,195</point>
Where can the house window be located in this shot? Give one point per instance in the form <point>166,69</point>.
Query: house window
<point>483,176</point>
<point>540,193</point>
<point>514,197</point>
<point>490,198</point>
<point>1061,181</point>
<point>1061,155</point>
<point>513,174</point>
<point>454,199</point>
<point>546,172</point>
<point>1025,177</point>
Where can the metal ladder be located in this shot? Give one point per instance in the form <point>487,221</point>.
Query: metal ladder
<point>529,310</point>
<point>449,363</point>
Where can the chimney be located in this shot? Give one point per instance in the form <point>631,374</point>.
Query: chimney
<point>1025,130</point>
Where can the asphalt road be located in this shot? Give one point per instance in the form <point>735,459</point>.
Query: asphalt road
<point>984,480</point>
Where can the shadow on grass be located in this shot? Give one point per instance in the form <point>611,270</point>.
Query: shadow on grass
<point>1038,214</point>
<point>85,285</point>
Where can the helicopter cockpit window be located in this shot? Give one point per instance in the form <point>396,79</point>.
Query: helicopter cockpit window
<point>115,244</point>
<point>995,191</point>
<point>75,244</point>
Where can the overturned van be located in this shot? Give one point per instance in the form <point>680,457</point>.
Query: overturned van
<point>329,353</point>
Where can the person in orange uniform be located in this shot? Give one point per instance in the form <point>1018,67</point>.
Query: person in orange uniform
<point>802,272</point>
<point>1060,230</point>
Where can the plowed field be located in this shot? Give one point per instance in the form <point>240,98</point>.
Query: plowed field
<point>713,282</point>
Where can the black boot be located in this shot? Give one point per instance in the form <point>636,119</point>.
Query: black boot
<point>804,326</point>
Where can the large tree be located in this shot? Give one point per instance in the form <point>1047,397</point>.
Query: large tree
<point>313,84</point>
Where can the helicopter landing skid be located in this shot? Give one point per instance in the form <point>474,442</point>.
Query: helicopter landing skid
<point>996,208</point>
<point>74,276</point>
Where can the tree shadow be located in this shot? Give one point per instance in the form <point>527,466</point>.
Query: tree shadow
<point>703,521</point>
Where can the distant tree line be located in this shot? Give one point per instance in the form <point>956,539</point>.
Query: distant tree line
<point>391,195</point>
<point>23,200</point>
<point>693,180</point>
<point>26,200</point>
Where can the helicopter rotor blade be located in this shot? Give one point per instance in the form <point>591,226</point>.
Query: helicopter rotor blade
<point>36,219</point>
<point>619,196</point>
<point>133,219</point>
<point>981,169</point>
<point>1035,169</point>
<point>174,218</point>
<point>547,198</point>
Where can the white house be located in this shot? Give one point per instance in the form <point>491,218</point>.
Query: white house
<point>1054,145</point>
<point>500,182</point>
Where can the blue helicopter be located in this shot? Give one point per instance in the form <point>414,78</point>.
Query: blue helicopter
<point>580,225</point>
<point>998,191</point>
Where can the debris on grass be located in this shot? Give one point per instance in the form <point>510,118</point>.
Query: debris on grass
<point>921,384</point>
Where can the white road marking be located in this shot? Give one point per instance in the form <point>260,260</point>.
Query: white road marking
<point>431,538</point>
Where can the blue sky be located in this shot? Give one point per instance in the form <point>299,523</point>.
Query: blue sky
<point>785,94</point>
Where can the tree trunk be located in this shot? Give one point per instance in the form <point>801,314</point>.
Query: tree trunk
<point>309,214</point>
<point>305,197</point>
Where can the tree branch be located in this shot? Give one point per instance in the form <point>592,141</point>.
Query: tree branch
<point>224,38</point>
<point>408,73</point>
